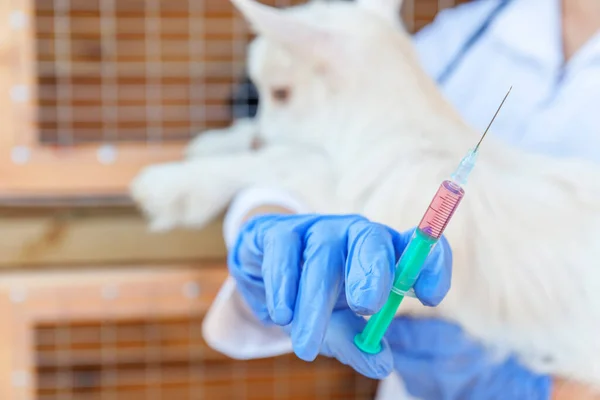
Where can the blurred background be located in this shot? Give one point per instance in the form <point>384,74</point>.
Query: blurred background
<point>92,306</point>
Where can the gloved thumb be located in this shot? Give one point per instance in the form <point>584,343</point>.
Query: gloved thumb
<point>339,344</point>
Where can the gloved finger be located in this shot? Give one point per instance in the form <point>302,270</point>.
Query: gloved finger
<point>247,251</point>
<point>244,261</point>
<point>369,271</point>
<point>435,278</point>
<point>250,286</point>
<point>321,282</point>
<point>339,343</point>
<point>281,272</point>
<point>250,242</point>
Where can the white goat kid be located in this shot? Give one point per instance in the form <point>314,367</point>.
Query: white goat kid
<point>351,124</point>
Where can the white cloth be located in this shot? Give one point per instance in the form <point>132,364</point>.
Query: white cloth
<point>553,113</point>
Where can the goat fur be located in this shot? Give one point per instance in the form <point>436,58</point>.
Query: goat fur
<point>366,131</point>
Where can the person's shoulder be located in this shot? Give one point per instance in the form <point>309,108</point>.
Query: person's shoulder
<point>437,42</point>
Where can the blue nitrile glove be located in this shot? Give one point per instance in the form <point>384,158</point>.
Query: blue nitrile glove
<point>312,275</point>
<point>437,360</point>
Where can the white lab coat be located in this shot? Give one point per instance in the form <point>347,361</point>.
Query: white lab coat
<point>553,110</point>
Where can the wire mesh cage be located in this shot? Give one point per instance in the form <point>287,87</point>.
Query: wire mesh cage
<point>93,90</point>
<point>135,334</point>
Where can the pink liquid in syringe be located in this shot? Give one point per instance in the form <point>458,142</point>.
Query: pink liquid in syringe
<point>441,209</point>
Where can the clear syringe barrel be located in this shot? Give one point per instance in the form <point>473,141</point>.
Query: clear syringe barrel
<point>428,232</point>
<point>441,209</point>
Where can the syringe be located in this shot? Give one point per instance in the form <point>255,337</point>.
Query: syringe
<point>427,234</point>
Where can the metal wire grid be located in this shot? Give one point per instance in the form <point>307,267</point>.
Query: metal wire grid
<point>146,71</point>
<point>152,355</point>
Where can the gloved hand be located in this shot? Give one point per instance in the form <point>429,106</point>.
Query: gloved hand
<point>312,275</point>
<point>437,360</point>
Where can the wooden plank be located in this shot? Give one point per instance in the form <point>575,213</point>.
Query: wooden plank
<point>99,237</point>
<point>77,171</point>
<point>6,348</point>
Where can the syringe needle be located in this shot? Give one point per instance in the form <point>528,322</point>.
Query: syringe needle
<point>492,121</point>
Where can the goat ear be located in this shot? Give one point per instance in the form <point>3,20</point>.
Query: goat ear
<point>388,9</point>
<point>278,25</point>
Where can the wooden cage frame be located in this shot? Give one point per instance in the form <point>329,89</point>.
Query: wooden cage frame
<point>41,170</point>
<point>28,301</point>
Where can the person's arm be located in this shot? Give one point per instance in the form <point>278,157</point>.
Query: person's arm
<point>266,209</point>
<point>567,390</point>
